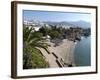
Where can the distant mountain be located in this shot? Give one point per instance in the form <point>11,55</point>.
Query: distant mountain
<point>60,24</point>
<point>82,24</point>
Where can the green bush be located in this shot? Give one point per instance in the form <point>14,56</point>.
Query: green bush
<point>54,34</point>
<point>34,59</point>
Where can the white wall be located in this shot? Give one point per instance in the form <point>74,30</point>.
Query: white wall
<point>5,41</point>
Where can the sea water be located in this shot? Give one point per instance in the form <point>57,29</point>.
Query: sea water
<point>83,52</point>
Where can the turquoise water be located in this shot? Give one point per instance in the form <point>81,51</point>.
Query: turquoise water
<point>83,52</point>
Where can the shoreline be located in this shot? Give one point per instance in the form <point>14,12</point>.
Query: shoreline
<point>64,52</point>
<point>61,55</point>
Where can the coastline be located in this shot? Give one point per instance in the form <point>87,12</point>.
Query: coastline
<point>61,55</point>
<point>65,52</point>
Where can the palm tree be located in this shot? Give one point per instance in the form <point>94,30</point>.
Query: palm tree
<point>32,41</point>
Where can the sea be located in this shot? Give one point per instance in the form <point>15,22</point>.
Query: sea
<point>82,54</point>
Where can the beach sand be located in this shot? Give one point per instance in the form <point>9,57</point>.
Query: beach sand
<point>64,53</point>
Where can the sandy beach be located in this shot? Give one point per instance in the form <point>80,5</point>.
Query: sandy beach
<point>63,53</point>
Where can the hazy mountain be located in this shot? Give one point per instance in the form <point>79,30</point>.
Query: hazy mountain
<point>63,24</point>
<point>82,24</point>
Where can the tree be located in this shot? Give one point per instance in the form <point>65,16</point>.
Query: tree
<point>32,57</point>
<point>54,34</point>
<point>45,30</point>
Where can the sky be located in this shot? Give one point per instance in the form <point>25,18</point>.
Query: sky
<point>55,16</point>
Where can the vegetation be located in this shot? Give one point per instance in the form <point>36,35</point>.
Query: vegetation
<point>32,41</point>
<point>53,31</point>
<point>44,30</point>
<point>61,33</point>
<point>86,32</point>
<point>33,59</point>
